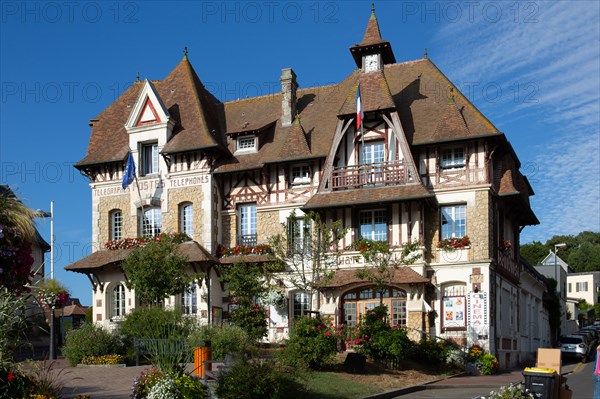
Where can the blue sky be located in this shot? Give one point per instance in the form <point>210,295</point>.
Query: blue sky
<point>533,68</point>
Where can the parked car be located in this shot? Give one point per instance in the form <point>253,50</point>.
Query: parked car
<point>592,341</point>
<point>575,346</point>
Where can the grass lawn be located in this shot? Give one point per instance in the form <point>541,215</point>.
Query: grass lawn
<point>323,385</point>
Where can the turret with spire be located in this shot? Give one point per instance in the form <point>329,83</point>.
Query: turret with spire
<point>373,45</point>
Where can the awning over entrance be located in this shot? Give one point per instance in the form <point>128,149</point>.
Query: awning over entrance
<point>191,250</point>
<point>402,275</point>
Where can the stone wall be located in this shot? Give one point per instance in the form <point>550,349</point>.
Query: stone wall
<point>414,321</point>
<point>178,196</point>
<point>268,225</point>
<point>478,225</point>
<point>228,224</point>
<point>105,206</point>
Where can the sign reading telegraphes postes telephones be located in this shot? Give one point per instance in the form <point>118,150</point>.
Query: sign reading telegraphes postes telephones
<point>454,312</point>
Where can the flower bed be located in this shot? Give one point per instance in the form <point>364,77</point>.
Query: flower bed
<point>260,249</point>
<point>126,243</point>
<point>453,243</point>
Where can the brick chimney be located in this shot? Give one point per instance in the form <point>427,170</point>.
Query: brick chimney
<point>288,96</point>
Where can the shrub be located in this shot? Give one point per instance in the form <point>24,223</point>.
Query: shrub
<point>90,340</point>
<point>475,352</point>
<point>311,344</point>
<point>155,383</point>
<point>13,382</point>
<point>378,340</point>
<point>249,380</point>
<point>156,322</point>
<point>487,364</point>
<point>223,340</point>
<point>431,351</point>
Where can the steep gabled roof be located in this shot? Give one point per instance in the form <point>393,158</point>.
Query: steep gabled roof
<point>374,92</point>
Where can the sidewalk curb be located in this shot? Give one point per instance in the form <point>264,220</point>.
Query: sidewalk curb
<point>410,389</point>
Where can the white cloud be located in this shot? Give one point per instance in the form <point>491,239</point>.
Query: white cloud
<point>556,62</point>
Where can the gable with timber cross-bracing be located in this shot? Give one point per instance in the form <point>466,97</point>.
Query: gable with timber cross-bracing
<point>249,186</point>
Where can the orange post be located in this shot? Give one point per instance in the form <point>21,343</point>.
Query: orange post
<point>200,355</point>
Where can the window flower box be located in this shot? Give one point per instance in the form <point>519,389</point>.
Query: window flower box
<point>454,243</point>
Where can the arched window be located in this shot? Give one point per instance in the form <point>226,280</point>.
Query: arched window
<point>151,222</point>
<point>357,302</point>
<point>186,219</point>
<point>189,300</point>
<point>116,225</point>
<point>117,302</point>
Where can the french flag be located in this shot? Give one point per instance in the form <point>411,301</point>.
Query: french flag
<point>359,110</point>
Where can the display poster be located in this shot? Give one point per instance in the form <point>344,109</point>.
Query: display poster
<point>454,312</point>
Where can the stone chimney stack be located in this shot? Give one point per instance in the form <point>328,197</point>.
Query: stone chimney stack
<point>288,96</point>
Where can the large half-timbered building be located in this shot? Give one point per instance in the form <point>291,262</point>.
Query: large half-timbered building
<point>425,166</point>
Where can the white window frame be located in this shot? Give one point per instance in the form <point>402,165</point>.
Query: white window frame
<point>116,224</point>
<point>453,158</point>
<point>299,236</point>
<point>246,144</point>
<point>373,216</point>
<point>189,300</point>
<point>456,217</point>
<point>117,302</point>
<point>149,159</point>
<point>186,219</point>
<point>581,286</point>
<point>299,301</point>
<point>151,222</point>
<point>247,222</point>
<point>372,152</point>
<point>300,175</point>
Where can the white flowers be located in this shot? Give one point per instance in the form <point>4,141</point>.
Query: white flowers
<point>516,391</point>
<point>165,388</point>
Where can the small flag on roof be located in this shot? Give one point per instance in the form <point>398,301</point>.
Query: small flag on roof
<point>359,110</point>
<point>129,174</point>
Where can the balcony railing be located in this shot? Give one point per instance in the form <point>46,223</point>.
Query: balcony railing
<point>247,239</point>
<point>376,174</point>
<point>456,177</point>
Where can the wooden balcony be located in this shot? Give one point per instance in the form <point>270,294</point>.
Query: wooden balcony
<point>456,177</point>
<point>377,174</point>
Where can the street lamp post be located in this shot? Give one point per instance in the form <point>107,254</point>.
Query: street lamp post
<point>558,283</point>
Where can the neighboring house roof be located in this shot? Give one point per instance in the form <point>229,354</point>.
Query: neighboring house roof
<point>347,277</point>
<point>191,250</point>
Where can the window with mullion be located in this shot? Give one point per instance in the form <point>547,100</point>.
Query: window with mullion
<point>151,222</point>
<point>454,221</point>
<point>189,300</point>
<point>300,301</point>
<point>373,225</point>
<point>453,158</point>
<point>116,225</point>
<point>186,220</point>
<point>247,224</point>
<point>118,301</point>
<point>299,236</point>
<point>149,159</point>
<point>372,152</point>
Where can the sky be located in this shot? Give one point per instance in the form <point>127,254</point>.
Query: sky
<point>532,67</point>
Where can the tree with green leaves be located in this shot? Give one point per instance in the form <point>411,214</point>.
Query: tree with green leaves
<point>247,288</point>
<point>383,262</point>
<point>156,271</point>
<point>582,252</point>
<point>309,251</point>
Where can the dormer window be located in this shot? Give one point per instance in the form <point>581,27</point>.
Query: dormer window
<point>246,144</point>
<point>300,175</point>
<point>149,159</point>
<point>453,158</point>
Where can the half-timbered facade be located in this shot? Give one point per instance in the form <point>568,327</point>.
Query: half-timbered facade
<point>424,166</point>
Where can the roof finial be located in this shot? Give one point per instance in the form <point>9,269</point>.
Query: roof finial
<point>425,56</point>
<point>297,120</point>
<point>372,8</point>
<point>185,53</point>
<point>137,77</point>
<point>451,97</point>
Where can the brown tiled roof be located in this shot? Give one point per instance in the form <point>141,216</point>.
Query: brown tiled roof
<point>509,182</point>
<point>191,250</point>
<point>420,92</point>
<point>197,114</point>
<point>368,196</point>
<point>295,145</point>
<point>451,124</point>
<point>402,275</point>
<point>374,92</point>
